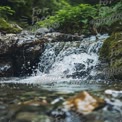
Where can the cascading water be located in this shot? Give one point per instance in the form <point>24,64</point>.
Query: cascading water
<point>64,69</point>
<point>77,59</point>
<point>64,61</point>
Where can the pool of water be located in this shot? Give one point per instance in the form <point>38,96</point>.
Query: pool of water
<point>32,102</point>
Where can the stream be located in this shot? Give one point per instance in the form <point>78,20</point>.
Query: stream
<point>65,69</point>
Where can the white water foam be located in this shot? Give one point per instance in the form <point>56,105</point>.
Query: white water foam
<point>61,58</point>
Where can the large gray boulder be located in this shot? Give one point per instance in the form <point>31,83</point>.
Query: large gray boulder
<point>19,54</point>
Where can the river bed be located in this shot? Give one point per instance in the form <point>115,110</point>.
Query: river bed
<point>32,102</point>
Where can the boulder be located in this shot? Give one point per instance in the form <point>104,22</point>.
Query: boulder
<point>25,48</point>
<point>76,108</point>
<point>22,52</point>
<point>83,103</point>
<point>111,52</point>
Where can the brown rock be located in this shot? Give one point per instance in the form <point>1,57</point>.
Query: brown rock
<point>34,102</point>
<point>83,103</point>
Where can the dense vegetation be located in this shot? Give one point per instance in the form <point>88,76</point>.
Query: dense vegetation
<point>70,16</point>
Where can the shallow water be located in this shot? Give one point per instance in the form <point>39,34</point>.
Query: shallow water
<point>31,102</point>
<point>65,68</point>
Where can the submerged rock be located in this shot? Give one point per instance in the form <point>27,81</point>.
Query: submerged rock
<point>26,116</point>
<point>34,102</point>
<point>113,93</point>
<point>83,103</point>
<point>76,108</point>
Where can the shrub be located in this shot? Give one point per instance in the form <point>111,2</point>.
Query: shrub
<point>71,19</point>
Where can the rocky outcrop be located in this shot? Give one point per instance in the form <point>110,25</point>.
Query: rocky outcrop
<point>58,37</point>
<point>19,53</point>
<point>111,51</point>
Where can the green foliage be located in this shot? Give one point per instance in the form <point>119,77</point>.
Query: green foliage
<point>109,13</point>
<point>76,17</point>
<point>25,7</point>
<point>7,27</point>
<point>5,11</point>
<point>63,15</point>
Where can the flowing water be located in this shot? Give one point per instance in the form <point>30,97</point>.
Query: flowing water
<point>65,68</point>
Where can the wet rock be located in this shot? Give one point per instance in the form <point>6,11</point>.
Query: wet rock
<point>21,53</point>
<point>34,102</point>
<point>116,103</point>
<point>57,100</point>
<point>61,37</point>
<point>4,119</point>
<point>43,118</point>
<point>111,52</point>
<point>79,66</point>
<point>2,107</point>
<point>114,93</point>
<point>79,74</point>
<point>83,103</point>
<point>41,32</point>
<point>3,113</point>
<point>76,109</point>
<point>6,67</point>
<point>26,116</point>
<point>23,50</point>
<point>99,76</point>
<point>7,43</point>
<point>57,113</point>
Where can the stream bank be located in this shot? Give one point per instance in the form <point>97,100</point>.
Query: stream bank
<point>111,52</point>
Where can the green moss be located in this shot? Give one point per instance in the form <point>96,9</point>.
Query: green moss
<point>112,52</point>
<point>105,50</point>
<point>111,44</point>
<point>7,27</point>
<point>71,19</point>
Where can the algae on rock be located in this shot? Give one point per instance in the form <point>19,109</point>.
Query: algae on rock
<point>111,51</point>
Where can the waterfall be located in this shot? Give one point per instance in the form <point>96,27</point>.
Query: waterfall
<point>63,61</point>
<point>77,59</point>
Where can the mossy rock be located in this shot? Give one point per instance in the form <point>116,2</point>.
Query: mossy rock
<point>110,44</point>
<point>111,51</point>
<point>8,28</point>
<point>116,26</point>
